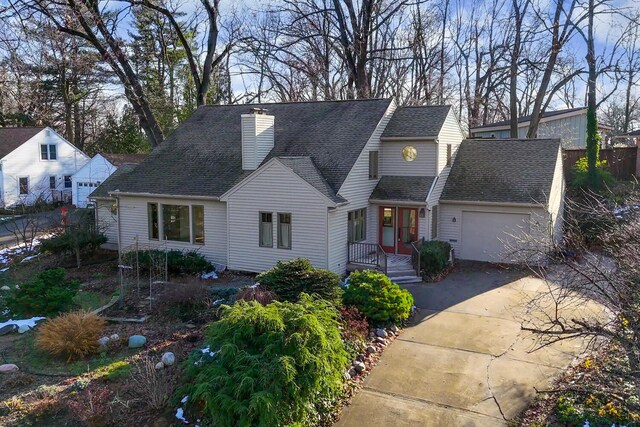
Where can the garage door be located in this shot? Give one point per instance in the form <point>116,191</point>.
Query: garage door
<point>84,189</point>
<point>487,236</point>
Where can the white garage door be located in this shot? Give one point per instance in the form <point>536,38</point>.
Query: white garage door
<point>487,236</point>
<point>84,189</point>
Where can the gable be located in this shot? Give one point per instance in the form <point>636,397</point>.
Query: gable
<point>12,138</point>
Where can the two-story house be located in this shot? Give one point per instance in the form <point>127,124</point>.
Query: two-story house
<point>570,125</point>
<point>337,182</point>
<point>37,164</point>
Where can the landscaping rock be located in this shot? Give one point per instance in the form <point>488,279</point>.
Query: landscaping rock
<point>352,373</point>
<point>394,329</point>
<point>137,341</point>
<point>381,333</point>
<point>346,376</point>
<point>359,367</point>
<point>7,329</point>
<point>360,358</point>
<point>159,365</point>
<point>168,358</point>
<point>8,368</point>
<point>371,349</point>
<point>23,328</point>
<point>380,340</point>
<point>5,288</point>
<point>103,341</point>
<point>115,337</point>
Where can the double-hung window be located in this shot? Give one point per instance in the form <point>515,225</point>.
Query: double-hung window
<point>356,225</point>
<point>67,181</point>
<point>266,229</point>
<point>52,182</point>
<point>48,152</point>
<point>284,230</point>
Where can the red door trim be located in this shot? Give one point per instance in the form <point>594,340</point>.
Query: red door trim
<point>388,249</point>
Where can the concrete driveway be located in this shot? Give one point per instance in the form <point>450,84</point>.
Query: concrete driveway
<point>466,361</point>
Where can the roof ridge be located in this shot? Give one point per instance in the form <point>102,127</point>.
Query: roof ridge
<point>295,102</point>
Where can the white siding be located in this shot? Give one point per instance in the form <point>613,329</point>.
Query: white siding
<point>257,139</point>
<point>338,238</point>
<point>25,161</point>
<point>556,199</point>
<point>393,164</point>
<point>450,231</point>
<point>107,221</point>
<point>97,170</point>
<point>449,134</point>
<point>134,225</point>
<point>357,187</point>
<point>276,188</point>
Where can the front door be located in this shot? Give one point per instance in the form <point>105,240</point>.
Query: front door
<point>388,229</point>
<point>407,229</point>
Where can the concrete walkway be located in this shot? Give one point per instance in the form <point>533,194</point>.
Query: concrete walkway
<point>466,361</point>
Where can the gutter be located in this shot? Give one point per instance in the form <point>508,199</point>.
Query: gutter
<point>409,138</point>
<point>433,185</point>
<point>118,193</point>
<point>398,202</point>
<point>480,203</point>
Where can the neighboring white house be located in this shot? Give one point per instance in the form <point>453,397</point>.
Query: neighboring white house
<point>569,125</point>
<point>96,171</point>
<point>37,163</point>
<point>341,183</point>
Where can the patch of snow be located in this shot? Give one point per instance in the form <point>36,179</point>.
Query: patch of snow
<point>180,415</point>
<point>205,352</point>
<point>218,302</point>
<point>126,267</point>
<point>255,285</point>
<point>184,399</point>
<point>209,276</point>
<point>28,258</point>
<point>4,269</point>
<point>29,323</point>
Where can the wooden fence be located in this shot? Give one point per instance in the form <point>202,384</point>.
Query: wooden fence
<point>622,162</point>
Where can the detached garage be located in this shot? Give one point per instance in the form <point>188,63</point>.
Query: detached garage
<point>502,197</point>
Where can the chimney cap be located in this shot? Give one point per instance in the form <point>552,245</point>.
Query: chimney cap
<point>258,110</point>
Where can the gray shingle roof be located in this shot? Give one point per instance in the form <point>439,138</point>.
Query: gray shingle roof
<point>203,156</point>
<point>420,121</point>
<point>118,159</point>
<point>305,169</point>
<point>503,171</point>
<point>12,138</point>
<point>112,183</point>
<point>405,188</point>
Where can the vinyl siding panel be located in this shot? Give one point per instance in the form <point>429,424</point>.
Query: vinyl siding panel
<point>257,139</point>
<point>393,164</point>
<point>556,200</point>
<point>25,161</point>
<point>449,134</point>
<point>134,226</point>
<point>337,235</point>
<point>107,221</point>
<point>97,170</point>
<point>276,189</point>
<point>357,187</point>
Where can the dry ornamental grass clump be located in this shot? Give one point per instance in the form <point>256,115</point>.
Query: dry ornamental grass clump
<point>72,335</point>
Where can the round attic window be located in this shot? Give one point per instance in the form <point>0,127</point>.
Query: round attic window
<point>409,153</point>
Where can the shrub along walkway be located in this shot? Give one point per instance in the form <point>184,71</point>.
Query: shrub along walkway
<point>465,361</point>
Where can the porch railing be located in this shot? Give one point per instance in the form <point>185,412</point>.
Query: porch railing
<point>415,256</point>
<point>367,254</point>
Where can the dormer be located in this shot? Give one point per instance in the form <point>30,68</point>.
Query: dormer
<point>257,137</point>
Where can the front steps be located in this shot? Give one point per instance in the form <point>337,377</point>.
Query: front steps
<point>399,269</point>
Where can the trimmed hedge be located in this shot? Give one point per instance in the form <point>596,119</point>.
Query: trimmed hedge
<point>434,257</point>
<point>178,262</point>
<point>291,278</point>
<point>380,300</point>
<point>274,365</point>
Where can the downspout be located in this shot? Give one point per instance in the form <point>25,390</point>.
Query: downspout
<point>118,223</point>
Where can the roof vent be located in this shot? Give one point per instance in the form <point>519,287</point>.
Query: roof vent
<point>257,137</point>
